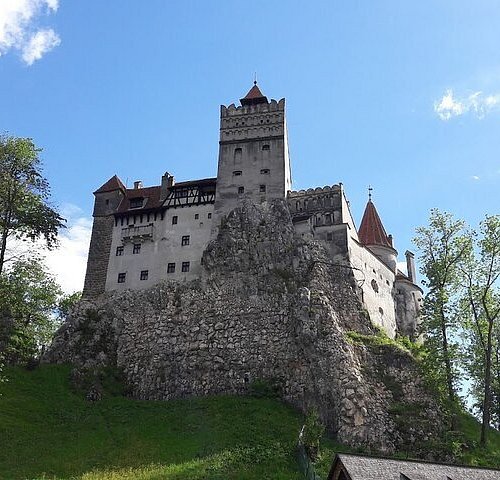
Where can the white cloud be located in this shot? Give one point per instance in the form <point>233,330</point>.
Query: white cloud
<point>18,29</point>
<point>475,177</point>
<point>41,42</point>
<point>477,103</point>
<point>69,262</point>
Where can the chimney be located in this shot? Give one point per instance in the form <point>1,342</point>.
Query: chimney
<point>137,185</point>
<point>410,266</point>
<point>167,181</point>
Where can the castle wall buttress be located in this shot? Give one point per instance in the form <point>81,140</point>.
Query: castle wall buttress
<point>98,259</point>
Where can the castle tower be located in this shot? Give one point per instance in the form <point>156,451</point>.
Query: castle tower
<point>254,162</point>
<point>372,235</point>
<point>107,199</point>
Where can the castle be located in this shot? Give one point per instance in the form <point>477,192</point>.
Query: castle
<point>143,235</point>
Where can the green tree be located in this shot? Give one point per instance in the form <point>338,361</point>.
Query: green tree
<point>25,212</point>
<point>442,246</point>
<point>481,276</point>
<point>29,296</point>
<point>66,303</point>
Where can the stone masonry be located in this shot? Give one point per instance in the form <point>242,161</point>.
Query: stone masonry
<point>269,306</point>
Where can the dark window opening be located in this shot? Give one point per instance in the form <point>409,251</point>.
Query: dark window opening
<point>181,192</point>
<point>196,216</point>
<point>265,148</point>
<point>237,173</point>
<point>185,240</point>
<point>237,155</point>
<point>174,220</point>
<point>185,267</point>
<point>171,268</point>
<point>329,237</point>
<point>262,188</point>
<point>137,248</point>
<point>265,171</point>
<point>136,202</point>
<point>144,274</point>
<point>107,201</point>
<point>374,285</point>
<point>241,190</point>
<point>209,215</point>
<point>119,251</point>
<point>121,277</point>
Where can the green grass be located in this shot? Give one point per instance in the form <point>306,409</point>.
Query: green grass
<point>473,454</point>
<point>48,431</point>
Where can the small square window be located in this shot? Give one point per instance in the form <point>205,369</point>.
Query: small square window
<point>196,216</point>
<point>121,277</point>
<point>241,190</point>
<point>265,148</point>
<point>262,189</point>
<point>174,220</point>
<point>144,274</point>
<point>137,248</point>
<point>119,251</point>
<point>209,215</point>
<point>171,268</point>
<point>185,266</point>
<point>185,240</point>
<point>265,171</point>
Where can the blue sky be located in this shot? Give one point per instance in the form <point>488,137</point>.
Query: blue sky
<point>401,95</point>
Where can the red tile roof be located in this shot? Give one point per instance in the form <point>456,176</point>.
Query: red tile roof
<point>151,196</point>
<point>254,96</point>
<point>114,183</point>
<point>371,231</point>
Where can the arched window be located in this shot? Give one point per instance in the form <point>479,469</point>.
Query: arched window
<point>374,285</point>
<point>237,155</point>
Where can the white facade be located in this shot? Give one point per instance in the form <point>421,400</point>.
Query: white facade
<point>158,244</point>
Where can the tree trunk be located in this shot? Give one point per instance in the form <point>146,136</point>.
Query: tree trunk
<point>447,362</point>
<point>3,248</point>
<point>487,388</point>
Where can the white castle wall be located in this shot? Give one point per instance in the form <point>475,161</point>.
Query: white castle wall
<point>377,282</point>
<point>163,248</point>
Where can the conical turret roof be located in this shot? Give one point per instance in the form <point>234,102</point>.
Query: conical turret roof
<point>371,231</point>
<point>253,96</point>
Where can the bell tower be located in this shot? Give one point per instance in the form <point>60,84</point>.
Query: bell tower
<point>254,162</point>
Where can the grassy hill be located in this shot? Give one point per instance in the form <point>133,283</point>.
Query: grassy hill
<point>48,431</point>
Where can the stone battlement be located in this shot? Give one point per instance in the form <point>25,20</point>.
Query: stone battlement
<point>315,191</point>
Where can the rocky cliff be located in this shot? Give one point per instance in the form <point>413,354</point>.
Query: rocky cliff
<point>270,307</point>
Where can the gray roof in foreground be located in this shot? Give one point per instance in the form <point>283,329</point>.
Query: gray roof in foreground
<point>371,468</point>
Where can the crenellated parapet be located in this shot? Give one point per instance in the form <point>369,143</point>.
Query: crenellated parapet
<point>325,203</point>
<point>252,121</point>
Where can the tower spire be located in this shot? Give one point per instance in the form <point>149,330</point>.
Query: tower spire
<point>371,230</point>
<point>254,95</point>
<point>370,190</point>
